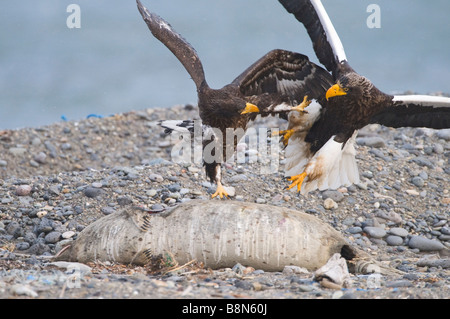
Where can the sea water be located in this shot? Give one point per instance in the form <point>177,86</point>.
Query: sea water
<point>69,59</point>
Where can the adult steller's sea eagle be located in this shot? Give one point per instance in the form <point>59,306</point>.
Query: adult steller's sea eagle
<point>320,153</point>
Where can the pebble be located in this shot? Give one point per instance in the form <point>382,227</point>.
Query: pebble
<point>375,232</point>
<point>418,181</point>
<point>238,178</point>
<point>92,192</point>
<point>107,210</point>
<point>445,230</point>
<point>40,158</point>
<point>443,134</point>
<point>68,234</point>
<point>330,204</point>
<point>371,141</point>
<point>156,178</point>
<point>41,213</point>
<point>52,237</point>
<point>23,190</point>
<point>412,192</point>
<point>291,270</point>
<point>334,195</point>
<point>399,284</point>
<point>424,244</point>
<point>354,230</point>
<point>17,151</point>
<point>393,240</point>
<point>422,161</point>
<point>398,231</point>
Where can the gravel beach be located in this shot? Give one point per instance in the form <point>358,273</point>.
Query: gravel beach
<point>56,180</point>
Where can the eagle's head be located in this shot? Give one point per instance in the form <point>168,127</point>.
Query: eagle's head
<point>351,85</point>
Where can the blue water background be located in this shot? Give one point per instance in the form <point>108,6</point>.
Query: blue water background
<point>112,64</point>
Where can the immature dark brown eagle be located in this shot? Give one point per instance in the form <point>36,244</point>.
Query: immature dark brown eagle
<point>273,84</point>
<point>320,153</point>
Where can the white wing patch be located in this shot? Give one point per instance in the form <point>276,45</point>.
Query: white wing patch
<point>332,166</point>
<point>332,36</point>
<point>423,100</point>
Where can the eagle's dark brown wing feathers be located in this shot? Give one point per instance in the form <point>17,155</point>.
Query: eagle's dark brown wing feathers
<point>284,73</point>
<point>175,43</point>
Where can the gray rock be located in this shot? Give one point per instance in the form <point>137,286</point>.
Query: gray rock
<point>157,161</point>
<point>443,134</point>
<point>17,151</point>
<point>438,148</point>
<point>174,188</point>
<point>66,146</point>
<point>22,245</point>
<point>156,178</point>
<point>107,210</point>
<point>423,161</point>
<point>424,244</point>
<point>418,181</point>
<point>445,230</point>
<point>398,231</point>
<point>92,192</point>
<point>244,284</point>
<point>334,195</point>
<point>14,229</point>
<point>55,189</point>
<point>290,270</point>
<point>375,232</point>
<point>371,141</point>
<point>393,240</point>
<point>354,230</point>
<point>380,154</point>
<point>238,178</point>
<point>440,223</point>
<point>52,237</point>
<point>51,148</point>
<point>399,284</point>
<point>23,190</point>
<point>124,200</point>
<point>432,261</point>
<point>41,158</point>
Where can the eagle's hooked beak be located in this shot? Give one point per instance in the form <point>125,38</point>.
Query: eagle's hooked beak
<point>250,108</point>
<point>335,90</point>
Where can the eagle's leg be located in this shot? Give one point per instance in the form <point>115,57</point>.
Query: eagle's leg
<point>214,172</point>
<point>220,191</point>
<point>297,180</point>
<point>286,134</point>
<point>301,107</point>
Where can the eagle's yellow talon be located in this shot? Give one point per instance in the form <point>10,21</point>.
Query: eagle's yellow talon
<point>286,135</point>
<point>220,191</point>
<point>301,107</point>
<point>297,180</point>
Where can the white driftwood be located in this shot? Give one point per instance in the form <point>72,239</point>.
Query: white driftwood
<point>217,233</point>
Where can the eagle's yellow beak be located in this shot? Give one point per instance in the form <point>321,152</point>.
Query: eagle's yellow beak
<point>335,90</point>
<point>250,108</point>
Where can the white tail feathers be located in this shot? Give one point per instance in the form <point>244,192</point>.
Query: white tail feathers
<point>331,167</point>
